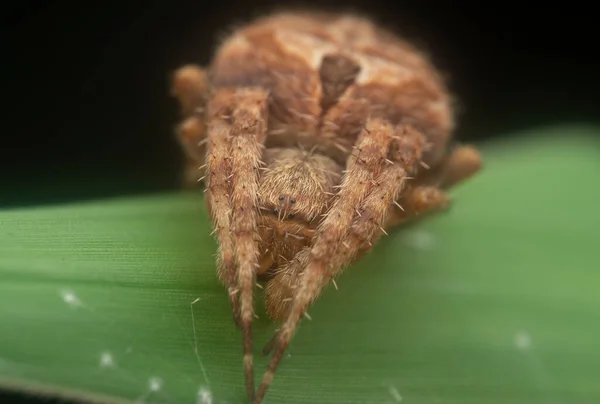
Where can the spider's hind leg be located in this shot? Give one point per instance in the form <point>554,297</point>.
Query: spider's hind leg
<point>417,201</point>
<point>462,163</point>
<point>189,85</point>
<point>427,195</point>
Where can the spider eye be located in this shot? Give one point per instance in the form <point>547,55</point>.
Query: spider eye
<point>292,215</point>
<point>281,197</point>
<point>292,200</point>
<point>276,211</point>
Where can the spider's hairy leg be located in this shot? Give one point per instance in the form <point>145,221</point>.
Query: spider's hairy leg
<point>249,126</point>
<point>363,234</point>
<point>191,134</point>
<point>427,195</point>
<point>462,164</point>
<point>370,158</point>
<point>367,227</point>
<point>189,85</point>
<point>418,201</point>
<point>218,189</point>
<point>280,289</point>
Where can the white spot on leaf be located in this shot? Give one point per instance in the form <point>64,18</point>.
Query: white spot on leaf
<point>155,383</point>
<point>395,394</point>
<point>204,397</point>
<point>419,240</point>
<point>70,298</point>
<point>523,340</point>
<point>107,360</point>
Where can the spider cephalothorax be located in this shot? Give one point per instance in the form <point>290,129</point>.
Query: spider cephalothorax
<point>314,133</point>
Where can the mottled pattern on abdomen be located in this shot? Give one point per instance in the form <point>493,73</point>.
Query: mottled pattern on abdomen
<point>284,53</point>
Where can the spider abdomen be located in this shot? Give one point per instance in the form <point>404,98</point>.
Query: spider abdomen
<point>327,74</point>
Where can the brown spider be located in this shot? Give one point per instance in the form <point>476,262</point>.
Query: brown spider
<point>317,132</point>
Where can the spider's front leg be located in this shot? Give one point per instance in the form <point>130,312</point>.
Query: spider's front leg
<point>237,132</point>
<point>370,183</point>
<point>421,197</point>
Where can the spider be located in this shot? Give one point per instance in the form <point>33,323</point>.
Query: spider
<point>316,133</point>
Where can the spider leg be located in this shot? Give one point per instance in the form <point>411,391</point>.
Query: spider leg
<point>190,86</point>
<point>427,195</point>
<point>191,134</point>
<point>417,202</point>
<point>462,164</point>
<point>280,289</point>
<point>236,132</point>
<point>218,190</point>
<point>366,228</point>
<point>360,180</point>
<point>249,126</point>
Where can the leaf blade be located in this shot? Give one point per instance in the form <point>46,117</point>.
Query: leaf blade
<point>491,303</point>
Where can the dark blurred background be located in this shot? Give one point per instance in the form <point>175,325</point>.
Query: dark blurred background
<point>87,112</point>
<point>85,84</point>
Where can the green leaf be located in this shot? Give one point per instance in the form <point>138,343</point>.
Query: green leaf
<point>495,301</point>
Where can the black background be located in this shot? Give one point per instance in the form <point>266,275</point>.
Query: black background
<point>85,84</point>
